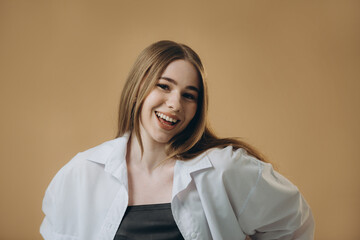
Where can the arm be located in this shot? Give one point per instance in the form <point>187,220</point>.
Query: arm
<point>46,228</point>
<point>56,211</point>
<point>275,209</point>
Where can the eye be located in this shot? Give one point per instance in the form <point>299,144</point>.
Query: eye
<point>163,86</point>
<point>189,96</point>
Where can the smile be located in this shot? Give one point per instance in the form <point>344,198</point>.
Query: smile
<point>166,119</point>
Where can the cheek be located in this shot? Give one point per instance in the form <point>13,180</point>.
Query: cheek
<point>153,99</point>
<point>150,101</point>
<point>192,111</point>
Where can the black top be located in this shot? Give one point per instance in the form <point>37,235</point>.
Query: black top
<point>150,222</point>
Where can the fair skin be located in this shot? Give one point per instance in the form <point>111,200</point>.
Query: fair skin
<point>166,111</point>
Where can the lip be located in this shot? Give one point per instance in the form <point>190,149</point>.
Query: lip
<point>165,125</point>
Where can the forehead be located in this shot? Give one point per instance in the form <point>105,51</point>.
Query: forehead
<point>183,72</point>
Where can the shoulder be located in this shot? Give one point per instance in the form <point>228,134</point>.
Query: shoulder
<point>98,154</point>
<point>233,171</point>
<point>101,152</point>
<point>238,164</point>
<point>84,185</point>
<point>86,165</point>
<point>239,171</point>
<point>235,161</point>
<point>252,186</point>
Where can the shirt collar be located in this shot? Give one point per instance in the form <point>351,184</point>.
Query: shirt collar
<point>196,164</point>
<point>113,155</point>
<point>184,169</point>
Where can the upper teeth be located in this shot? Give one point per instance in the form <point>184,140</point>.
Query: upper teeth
<point>167,118</point>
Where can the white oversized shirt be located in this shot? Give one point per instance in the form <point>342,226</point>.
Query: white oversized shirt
<point>221,194</point>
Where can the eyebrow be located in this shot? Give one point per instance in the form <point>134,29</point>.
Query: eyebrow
<point>174,82</point>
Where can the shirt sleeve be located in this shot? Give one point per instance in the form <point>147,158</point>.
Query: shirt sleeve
<point>55,211</point>
<point>275,209</point>
<point>46,228</point>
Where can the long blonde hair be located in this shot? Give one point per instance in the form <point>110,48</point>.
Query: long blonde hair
<point>143,77</point>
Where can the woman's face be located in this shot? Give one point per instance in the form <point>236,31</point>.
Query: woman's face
<point>172,104</point>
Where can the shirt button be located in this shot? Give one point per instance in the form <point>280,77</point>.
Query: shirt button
<point>193,235</point>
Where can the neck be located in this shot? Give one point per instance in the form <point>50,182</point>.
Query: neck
<point>153,154</point>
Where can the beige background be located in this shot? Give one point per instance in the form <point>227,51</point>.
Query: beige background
<point>284,75</point>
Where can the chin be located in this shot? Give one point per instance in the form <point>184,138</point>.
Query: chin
<point>162,139</point>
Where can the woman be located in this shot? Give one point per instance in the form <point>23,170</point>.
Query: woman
<point>166,175</point>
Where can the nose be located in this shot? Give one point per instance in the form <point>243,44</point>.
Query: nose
<point>174,102</point>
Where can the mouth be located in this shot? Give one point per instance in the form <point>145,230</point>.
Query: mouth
<point>165,119</point>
